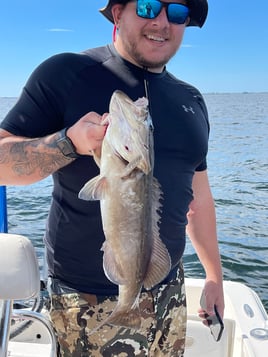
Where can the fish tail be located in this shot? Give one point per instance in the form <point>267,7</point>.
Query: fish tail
<point>123,318</point>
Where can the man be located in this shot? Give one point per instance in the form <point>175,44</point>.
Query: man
<point>53,129</point>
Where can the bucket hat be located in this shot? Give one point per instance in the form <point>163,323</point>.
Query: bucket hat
<point>198,11</point>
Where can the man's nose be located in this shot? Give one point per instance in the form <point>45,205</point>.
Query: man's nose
<point>162,17</point>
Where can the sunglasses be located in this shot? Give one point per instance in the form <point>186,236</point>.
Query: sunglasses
<point>150,9</point>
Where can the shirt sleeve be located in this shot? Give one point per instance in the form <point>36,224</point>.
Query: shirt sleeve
<point>203,165</point>
<point>39,110</point>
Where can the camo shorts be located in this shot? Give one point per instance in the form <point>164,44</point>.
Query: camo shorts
<point>162,333</point>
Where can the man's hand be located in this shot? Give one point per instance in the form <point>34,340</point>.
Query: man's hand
<point>87,134</point>
<point>213,295</point>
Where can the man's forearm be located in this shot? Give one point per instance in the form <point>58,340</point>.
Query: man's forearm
<point>24,161</point>
<point>203,234</point>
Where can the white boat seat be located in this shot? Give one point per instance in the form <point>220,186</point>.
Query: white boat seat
<point>199,341</point>
<point>19,270</point>
<point>20,280</point>
<point>22,349</point>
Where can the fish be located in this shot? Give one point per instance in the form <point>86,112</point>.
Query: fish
<point>134,256</point>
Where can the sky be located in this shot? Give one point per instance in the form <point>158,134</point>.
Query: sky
<point>229,54</point>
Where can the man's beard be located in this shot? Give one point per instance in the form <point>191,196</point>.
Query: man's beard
<point>142,60</point>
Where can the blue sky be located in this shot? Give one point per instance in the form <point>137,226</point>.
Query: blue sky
<point>229,54</point>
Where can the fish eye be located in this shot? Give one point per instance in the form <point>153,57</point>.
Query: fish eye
<point>127,148</point>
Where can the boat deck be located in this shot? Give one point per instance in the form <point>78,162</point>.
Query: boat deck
<point>244,314</point>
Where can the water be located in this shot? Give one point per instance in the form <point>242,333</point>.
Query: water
<point>238,162</point>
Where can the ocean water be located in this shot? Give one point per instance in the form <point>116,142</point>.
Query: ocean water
<point>237,166</point>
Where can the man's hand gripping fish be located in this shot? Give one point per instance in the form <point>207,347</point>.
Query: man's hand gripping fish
<point>134,255</point>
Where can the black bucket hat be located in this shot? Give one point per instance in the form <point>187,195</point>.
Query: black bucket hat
<point>198,11</point>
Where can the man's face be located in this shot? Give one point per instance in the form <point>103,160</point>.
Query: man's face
<point>146,42</point>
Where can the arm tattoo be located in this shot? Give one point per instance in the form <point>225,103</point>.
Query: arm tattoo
<point>36,156</point>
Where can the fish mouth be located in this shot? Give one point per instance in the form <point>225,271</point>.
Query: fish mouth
<point>121,157</point>
<point>138,163</point>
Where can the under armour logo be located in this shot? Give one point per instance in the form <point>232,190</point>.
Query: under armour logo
<point>187,110</point>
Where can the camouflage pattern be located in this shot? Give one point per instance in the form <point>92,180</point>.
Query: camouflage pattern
<point>75,315</point>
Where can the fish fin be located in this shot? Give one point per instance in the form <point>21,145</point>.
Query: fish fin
<point>111,268</point>
<point>159,265</point>
<point>131,166</point>
<point>94,189</point>
<point>157,196</point>
<point>160,261</point>
<point>128,318</point>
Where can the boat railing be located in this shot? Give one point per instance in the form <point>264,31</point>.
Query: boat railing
<point>5,306</point>
<point>5,318</point>
<point>3,210</point>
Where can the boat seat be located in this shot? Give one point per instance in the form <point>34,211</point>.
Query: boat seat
<point>199,341</point>
<point>22,349</point>
<point>19,271</point>
<point>20,280</point>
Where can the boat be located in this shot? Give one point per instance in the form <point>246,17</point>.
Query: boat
<point>245,323</point>
<point>25,329</point>
<point>245,331</point>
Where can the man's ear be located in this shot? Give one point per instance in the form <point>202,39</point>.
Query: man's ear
<point>116,12</point>
<point>187,21</point>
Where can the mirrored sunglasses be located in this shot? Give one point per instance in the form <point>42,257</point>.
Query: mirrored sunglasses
<point>150,9</point>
